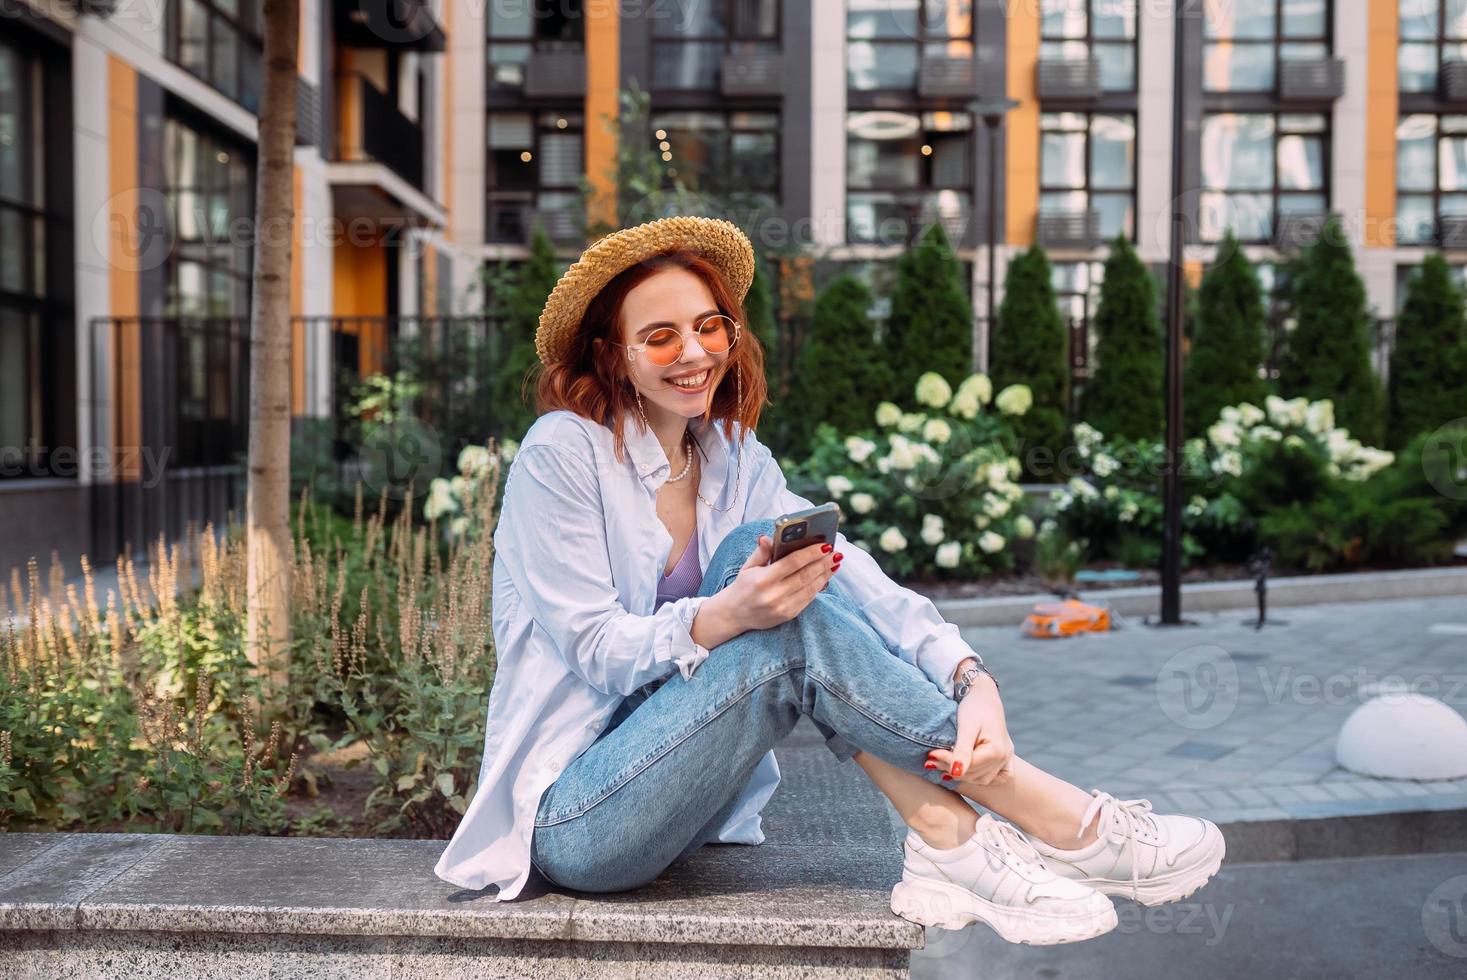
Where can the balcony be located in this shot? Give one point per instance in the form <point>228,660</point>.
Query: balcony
<point>1315,80</point>
<point>1293,232</point>
<point>1452,82</point>
<point>1070,79</point>
<point>512,221</point>
<point>759,73</point>
<point>379,167</point>
<point>1078,230</point>
<point>943,75</point>
<point>556,74</point>
<point>404,25</point>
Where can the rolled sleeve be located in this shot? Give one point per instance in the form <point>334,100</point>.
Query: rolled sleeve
<point>908,622</point>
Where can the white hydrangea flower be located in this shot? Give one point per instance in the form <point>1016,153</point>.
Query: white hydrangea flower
<point>1224,434</point>
<point>937,430</point>
<point>460,487</point>
<point>1048,526</point>
<point>1014,467</point>
<point>473,460</point>
<point>932,532</point>
<point>887,415</point>
<point>995,507</point>
<point>1104,465</point>
<point>1015,400</point>
<point>1319,417</point>
<point>1229,462</point>
<point>911,421</point>
<point>997,474</point>
<point>980,521</point>
<point>1231,415</point>
<point>862,503</point>
<point>1278,410</point>
<point>1012,491</point>
<point>459,526</point>
<point>884,464</point>
<point>507,449</point>
<point>933,390</point>
<point>978,386</point>
<point>1250,414</point>
<point>1080,488</point>
<point>1061,499</point>
<point>440,500</point>
<point>1197,506</point>
<point>1339,444</point>
<point>1024,526</point>
<point>904,454</point>
<point>1267,433</point>
<point>991,541</point>
<point>838,485</point>
<point>859,449</point>
<point>948,554</point>
<point>1129,509</point>
<point>1294,441</point>
<point>1087,437</point>
<point>892,540</point>
<point>1111,492</point>
<point>965,405</point>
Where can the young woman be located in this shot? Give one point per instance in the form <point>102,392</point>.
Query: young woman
<point>650,654</point>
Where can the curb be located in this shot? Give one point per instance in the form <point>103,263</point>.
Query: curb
<point>1360,835</point>
<point>1301,590</point>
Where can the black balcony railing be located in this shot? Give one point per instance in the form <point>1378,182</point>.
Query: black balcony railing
<point>379,131</point>
<point>1069,78</point>
<point>1314,80</point>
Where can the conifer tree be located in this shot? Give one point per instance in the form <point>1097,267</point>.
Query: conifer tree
<point>931,323</point>
<point>1227,344</point>
<point>1030,347</point>
<point>1428,384</point>
<point>1123,396</point>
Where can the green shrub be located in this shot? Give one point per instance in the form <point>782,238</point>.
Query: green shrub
<point>1228,339</point>
<point>1429,361</point>
<point>1029,348</point>
<point>931,322</point>
<point>1123,397</point>
<point>841,374</point>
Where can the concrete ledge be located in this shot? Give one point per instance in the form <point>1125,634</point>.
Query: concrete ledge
<point>181,906</point>
<point>1366,835</point>
<point>1299,590</point>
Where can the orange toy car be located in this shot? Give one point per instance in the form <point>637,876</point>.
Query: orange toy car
<point>1051,620</point>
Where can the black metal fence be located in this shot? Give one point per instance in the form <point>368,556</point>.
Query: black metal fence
<point>169,409</point>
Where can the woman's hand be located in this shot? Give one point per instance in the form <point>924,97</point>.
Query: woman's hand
<point>765,595</point>
<point>983,750</point>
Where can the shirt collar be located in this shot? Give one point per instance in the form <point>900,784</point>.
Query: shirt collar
<point>652,464</point>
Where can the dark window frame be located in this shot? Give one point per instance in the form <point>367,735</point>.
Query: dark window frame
<point>1092,42</point>
<point>249,39</point>
<point>925,37</point>
<point>732,40</point>
<point>534,43</point>
<point>1275,191</point>
<point>925,187</point>
<point>1088,132</point>
<point>1276,41</point>
<point>1440,41</point>
<point>498,196</point>
<point>728,131</point>
<point>1436,193</point>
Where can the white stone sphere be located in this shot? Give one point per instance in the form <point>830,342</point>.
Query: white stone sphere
<point>1404,736</point>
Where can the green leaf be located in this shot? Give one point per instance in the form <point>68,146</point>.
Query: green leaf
<point>407,781</point>
<point>444,782</point>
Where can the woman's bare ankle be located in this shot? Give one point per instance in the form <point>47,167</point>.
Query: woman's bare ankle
<point>944,826</point>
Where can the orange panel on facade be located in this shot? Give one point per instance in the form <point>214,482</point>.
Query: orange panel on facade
<point>125,244</point>
<point>603,82</point>
<point>1022,127</point>
<point>1382,115</point>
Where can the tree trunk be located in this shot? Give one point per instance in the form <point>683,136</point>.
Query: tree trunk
<point>267,527</point>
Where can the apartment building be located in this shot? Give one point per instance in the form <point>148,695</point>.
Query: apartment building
<point>435,134</point>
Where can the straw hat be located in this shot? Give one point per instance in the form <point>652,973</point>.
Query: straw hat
<point>720,242</point>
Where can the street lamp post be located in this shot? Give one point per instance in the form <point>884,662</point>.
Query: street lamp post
<point>1171,497</point>
<point>993,114</point>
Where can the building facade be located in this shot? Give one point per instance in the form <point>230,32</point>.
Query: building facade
<point>434,135</point>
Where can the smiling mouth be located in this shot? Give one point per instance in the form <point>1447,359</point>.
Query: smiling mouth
<point>692,383</point>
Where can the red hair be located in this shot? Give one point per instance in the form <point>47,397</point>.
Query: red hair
<point>597,387</point>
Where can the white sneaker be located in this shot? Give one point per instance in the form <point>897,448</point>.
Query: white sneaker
<point>998,878</point>
<point>1147,857</point>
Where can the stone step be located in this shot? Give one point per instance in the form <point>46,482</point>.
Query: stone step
<point>812,901</point>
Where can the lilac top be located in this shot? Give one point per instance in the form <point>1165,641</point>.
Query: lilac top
<point>686,577</point>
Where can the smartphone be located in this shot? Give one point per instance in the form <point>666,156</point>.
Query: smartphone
<point>805,527</point>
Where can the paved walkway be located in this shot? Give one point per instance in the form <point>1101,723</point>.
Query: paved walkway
<point>1225,721</point>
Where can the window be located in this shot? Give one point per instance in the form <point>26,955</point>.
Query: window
<point>690,38</point>
<point>517,29</point>
<point>905,170</point>
<point>31,226</point>
<point>209,185</point>
<point>1431,175</point>
<point>722,153</point>
<point>887,39</point>
<point>1432,32</point>
<point>1247,39</point>
<point>1260,167</point>
<point>219,41</point>
<point>1101,29</point>
<point>535,166</point>
<point>1088,163</point>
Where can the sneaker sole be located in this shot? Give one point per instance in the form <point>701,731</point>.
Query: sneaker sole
<point>1172,887</point>
<point>944,906</point>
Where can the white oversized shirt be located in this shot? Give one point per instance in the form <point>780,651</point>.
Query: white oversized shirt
<point>579,550</point>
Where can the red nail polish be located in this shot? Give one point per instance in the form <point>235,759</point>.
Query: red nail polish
<point>837,556</point>
<point>957,768</point>
<point>930,765</point>
<point>946,777</point>
<point>835,567</point>
<point>826,548</point>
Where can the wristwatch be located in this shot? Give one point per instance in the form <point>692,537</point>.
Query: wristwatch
<point>969,676</point>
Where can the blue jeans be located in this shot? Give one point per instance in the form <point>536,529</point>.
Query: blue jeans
<point>667,771</point>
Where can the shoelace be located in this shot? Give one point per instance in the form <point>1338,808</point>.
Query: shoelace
<point>1122,822</point>
<point>1006,837</point>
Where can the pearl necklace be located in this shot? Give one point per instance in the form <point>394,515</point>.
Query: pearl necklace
<point>687,468</point>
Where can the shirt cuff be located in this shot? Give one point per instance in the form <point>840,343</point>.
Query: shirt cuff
<point>683,650</point>
<point>940,660</point>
